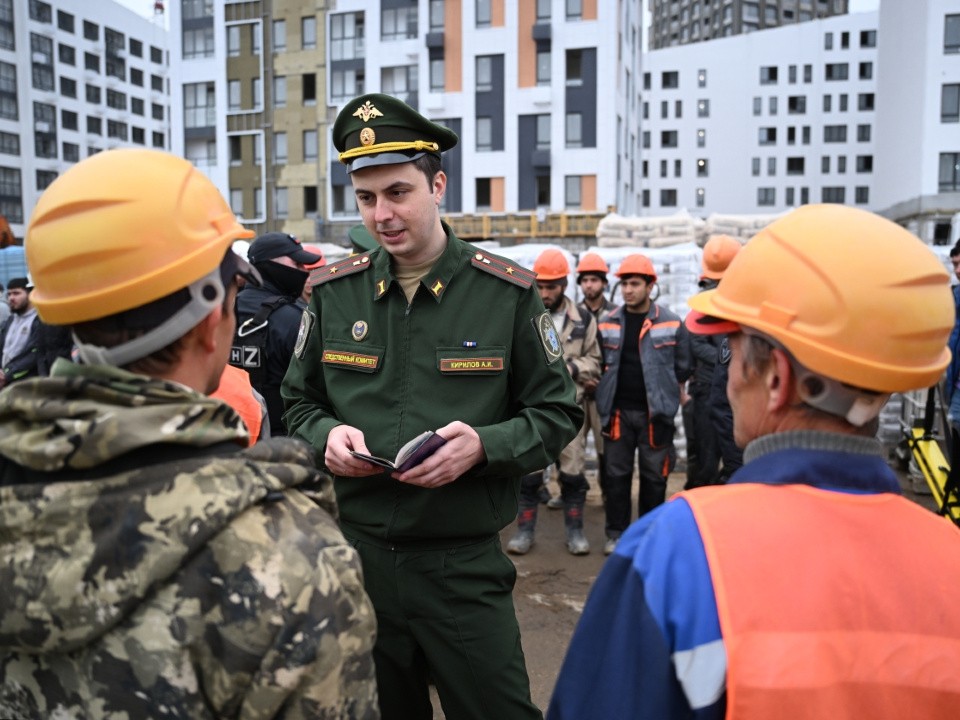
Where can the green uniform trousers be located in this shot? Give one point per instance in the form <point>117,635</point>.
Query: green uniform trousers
<point>447,615</point>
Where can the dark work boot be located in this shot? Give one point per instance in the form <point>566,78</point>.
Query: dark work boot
<point>521,543</point>
<point>573,521</point>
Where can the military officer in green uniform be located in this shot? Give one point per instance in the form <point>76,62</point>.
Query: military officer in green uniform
<point>427,332</point>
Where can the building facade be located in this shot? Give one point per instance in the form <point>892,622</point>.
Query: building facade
<point>678,22</point>
<point>75,79</point>
<point>763,122</point>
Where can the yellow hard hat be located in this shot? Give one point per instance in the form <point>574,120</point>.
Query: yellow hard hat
<point>850,295</point>
<point>121,229</point>
<point>551,264</point>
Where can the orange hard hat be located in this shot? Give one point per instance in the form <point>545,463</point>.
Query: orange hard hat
<point>551,265</point>
<point>316,250</point>
<point>637,264</point>
<point>850,295</point>
<point>717,254</point>
<point>592,263</point>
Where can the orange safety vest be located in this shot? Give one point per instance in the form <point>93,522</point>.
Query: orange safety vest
<point>235,390</point>
<point>831,604</point>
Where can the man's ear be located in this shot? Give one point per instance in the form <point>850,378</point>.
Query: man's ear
<point>205,333</point>
<point>779,380</point>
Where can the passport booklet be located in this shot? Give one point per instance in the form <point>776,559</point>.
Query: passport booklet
<point>412,454</point>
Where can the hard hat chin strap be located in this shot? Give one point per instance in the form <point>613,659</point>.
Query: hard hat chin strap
<point>206,294</point>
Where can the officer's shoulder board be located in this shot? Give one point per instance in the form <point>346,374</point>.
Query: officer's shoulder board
<point>342,268</point>
<point>503,269</point>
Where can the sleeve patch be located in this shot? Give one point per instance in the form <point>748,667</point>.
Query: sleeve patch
<point>307,322</point>
<point>549,338</point>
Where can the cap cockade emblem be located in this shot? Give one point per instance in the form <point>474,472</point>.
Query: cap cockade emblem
<point>367,137</point>
<point>367,111</point>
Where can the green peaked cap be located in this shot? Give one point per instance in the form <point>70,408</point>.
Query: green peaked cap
<point>378,129</point>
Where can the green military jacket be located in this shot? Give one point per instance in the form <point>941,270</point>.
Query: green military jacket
<point>151,568</point>
<point>474,345</point>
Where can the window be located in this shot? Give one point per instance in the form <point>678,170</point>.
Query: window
<point>279,36</point>
<point>71,152</point>
<point>235,150</point>
<point>574,68</point>
<point>766,196</point>
<point>197,43</point>
<point>258,202</point>
<point>574,130</point>
<point>842,164</point>
<point>789,197</point>
<point>757,105</point>
<point>768,75</point>
<point>156,55</point>
<point>543,132</point>
<point>67,55</point>
<point>663,168</point>
<point>701,197</point>
<point>676,168</point>
<point>828,41</point>
<point>94,125</point>
<point>668,198</point>
<point>136,48</point>
<point>308,33</point>
<point>116,100</point>
<point>68,87</point>
<point>768,136</point>
<point>771,166</point>
<point>156,83</point>
<point>951,34</point>
<point>437,75</point>
<point>91,62</point>
<point>864,163</point>
<point>233,95</point>
<point>196,9</point>
<point>668,138</point>
<point>868,38</point>
<point>156,111</point>
<point>398,23</point>
<point>346,36</point>
<point>310,204</point>
<point>117,129</point>
<point>792,135</point>
<point>91,31</point>
<point>670,80</point>
<point>836,71</point>
<point>950,103</point>
<point>678,108</point>
<point>92,94</point>
<point>701,78</point>
<point>645,198</point>
<point>861,195</point>
<point>256,92</point>
<point>797,105</point>
<point>399,81</point>
<point>844,40</point>
<point>484,13</point>
<point>308,88</point>
<point>65,21</point>
<point>136,77</point>
<point>199,105</point>
<point>571,191</point>
<point>646,81</point>
<point>808,73</point>
<point>843,102</point>
<point>574,9</point>
<point>11,202</point>
<point>645,139</point>
<point>701,138</point>
<point>755,166</point>
<point>863,133</point>
<point>543,67</point>
<point>158,139</point>
<point>795,166</point>
<point>865,101</point>
<point>44,178</point>
<point>484,82</point>
<point>664,109</point>
<point>482,186</point>
<point>233,41</point>
<point>310,146</point>
<point>703,108</point>
<point>832,194</point>
<point>792,74</point>
<point>69,120</point>
<point>866,71</point>
<point>543,10</point>
<point>949,171</point>
<point>9,143</point>
<point>773,105</point>
<point>136,106</point>
<point>280,203</point>
<point>834,133</point>
<point>702,168</point>
<point>280,147</point>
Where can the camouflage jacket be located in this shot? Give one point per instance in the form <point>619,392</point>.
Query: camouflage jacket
<point>151,568</point>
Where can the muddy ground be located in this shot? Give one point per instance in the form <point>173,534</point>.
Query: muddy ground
<point>552,585</point>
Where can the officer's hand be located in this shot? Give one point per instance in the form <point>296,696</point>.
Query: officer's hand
<point>462,451</point>
<point>340,441</point>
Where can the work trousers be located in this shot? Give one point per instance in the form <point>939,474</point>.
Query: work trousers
<point>447,615</point>
<point>654,462</point>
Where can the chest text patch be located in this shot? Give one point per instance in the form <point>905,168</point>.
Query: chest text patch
<point>471,364</point>
<point>351,359</point>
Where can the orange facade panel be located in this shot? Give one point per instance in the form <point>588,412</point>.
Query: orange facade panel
<point>526,46</point>
<point>453,46</point>
<point>588,191</point>
<point>588,10</point>
<point>497,17</point>
<point>497,198</point>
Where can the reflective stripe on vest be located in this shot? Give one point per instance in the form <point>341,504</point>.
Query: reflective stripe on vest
<point>833,605</point>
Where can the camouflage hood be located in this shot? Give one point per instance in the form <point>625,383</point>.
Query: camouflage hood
<point>83,450</point>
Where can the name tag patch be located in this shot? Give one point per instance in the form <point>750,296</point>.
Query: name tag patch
<point>471,364</point>
<point>351,359</point>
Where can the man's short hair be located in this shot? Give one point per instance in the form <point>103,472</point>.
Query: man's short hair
<point>955,250</point>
